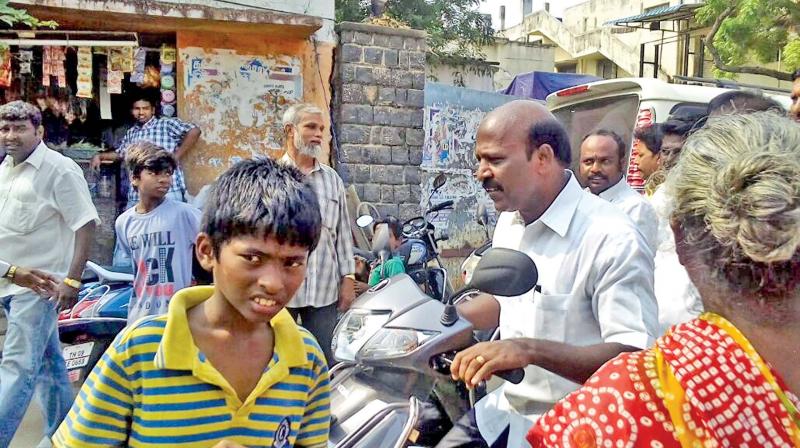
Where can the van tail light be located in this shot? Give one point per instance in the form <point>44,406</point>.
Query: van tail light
<point>573,90</point>
<point>645,118</point>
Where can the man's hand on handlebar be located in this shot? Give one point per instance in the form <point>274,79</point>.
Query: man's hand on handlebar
<point>479,362</point>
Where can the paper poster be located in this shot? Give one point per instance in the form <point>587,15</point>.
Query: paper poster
<point>84,82</point>
<point>115,81</point>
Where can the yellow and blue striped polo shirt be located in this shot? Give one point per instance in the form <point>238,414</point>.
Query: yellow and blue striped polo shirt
<point>153,387</point>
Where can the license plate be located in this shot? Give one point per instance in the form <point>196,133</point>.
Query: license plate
<point>78,355</point>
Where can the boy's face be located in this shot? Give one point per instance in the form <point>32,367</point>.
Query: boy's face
<point>256,276</point>
<point>153,185</point>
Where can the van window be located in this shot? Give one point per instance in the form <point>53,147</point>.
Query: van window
<point>617,113</point>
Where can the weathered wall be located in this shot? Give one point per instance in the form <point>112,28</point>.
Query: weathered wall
<point>378,99</point>
<point>238,103</point>
<point>518,57</point>
<point>477,78</point>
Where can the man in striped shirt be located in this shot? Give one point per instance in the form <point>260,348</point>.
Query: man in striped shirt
<point>331,266</point>
<point>227,366</point>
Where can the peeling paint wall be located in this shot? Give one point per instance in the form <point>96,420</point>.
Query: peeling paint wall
<point>235,87</point>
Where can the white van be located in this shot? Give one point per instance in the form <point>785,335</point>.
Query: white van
<point>626,103</point>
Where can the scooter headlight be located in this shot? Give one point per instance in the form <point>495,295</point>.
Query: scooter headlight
<point>355,328</point>
<point>392,342</point>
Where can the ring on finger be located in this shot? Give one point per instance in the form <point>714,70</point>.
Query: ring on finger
<point>480,359</point>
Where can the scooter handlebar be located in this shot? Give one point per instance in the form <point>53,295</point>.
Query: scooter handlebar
<point>441,363</point>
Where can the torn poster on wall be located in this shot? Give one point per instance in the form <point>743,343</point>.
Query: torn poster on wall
<point>238,99</point>
<point>452,117</point>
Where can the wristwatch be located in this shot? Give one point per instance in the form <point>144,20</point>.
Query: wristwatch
<point>4,268</point>
<point>72,283</point>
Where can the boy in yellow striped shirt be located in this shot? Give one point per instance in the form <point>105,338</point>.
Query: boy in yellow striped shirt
<point>226,366</point>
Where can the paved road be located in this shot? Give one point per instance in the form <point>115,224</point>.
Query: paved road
<point>30,432</point>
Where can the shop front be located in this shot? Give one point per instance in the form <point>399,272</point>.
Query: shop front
<point>230,72</point>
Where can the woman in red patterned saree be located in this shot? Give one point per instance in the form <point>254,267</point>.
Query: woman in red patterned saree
<point>726,378</point>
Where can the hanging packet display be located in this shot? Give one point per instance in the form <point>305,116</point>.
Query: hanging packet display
<point>139,58</point>
<point>84,82</point>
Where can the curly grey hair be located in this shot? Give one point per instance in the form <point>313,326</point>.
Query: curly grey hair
<point>21,111</point>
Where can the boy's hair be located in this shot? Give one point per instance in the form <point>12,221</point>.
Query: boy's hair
<point>262,198</point>
<point>144,155</point>
<point>651,136</point>
<point>21,111</point>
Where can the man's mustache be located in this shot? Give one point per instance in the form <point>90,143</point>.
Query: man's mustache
<point>491,185</point>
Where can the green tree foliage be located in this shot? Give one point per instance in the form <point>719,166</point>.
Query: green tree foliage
<point>12,16</point>
<point>454,27</point>
<point>747,31</point>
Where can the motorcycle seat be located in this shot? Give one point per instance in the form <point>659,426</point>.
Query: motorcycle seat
<point>106,275</point>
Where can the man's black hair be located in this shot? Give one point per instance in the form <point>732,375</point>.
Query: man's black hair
<point>393,223</point>
<point>796,75</point>
<point>743,102</point>
<point>144,155</point>
<point>622,148</point>
<point>143,96</point>
<point>551,132</point>
<point>262,198</point>
<point>651,136</point>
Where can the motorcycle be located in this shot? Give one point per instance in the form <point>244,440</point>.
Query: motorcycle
<point>419,249</point>
<point>392,386</point>
<point>88,328</point>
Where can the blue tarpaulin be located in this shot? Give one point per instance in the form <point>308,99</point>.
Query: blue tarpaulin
<point>538,85</point>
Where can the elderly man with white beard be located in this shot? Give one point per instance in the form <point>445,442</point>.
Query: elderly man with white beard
<point>329,282</point>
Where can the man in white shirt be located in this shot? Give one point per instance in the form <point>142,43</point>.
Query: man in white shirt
<point>47,221</point>
<point>601,170</point>
<point>595,294</point>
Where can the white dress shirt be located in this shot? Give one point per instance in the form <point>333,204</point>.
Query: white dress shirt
<point>596,278</point>
<point>678,299</point>
<point>43,201</point>
<point>637,207</point>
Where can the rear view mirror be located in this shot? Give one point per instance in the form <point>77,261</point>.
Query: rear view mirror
<point>380,240</point>
<point>504,272</point>
<point>439,181</point>
<point>364,221</point>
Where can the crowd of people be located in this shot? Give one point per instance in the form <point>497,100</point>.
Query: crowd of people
<point>659,320</point>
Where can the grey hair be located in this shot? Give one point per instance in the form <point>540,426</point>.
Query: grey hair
<point>21,111</point>
<point>295,112</point>
<point>736,191</point>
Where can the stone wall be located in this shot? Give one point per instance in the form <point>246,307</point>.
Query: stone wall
<point>379,82</point>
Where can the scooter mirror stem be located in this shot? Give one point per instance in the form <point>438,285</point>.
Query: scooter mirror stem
<point>450,314</point>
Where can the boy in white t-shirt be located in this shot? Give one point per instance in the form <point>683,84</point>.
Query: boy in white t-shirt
<point>158,233</point>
